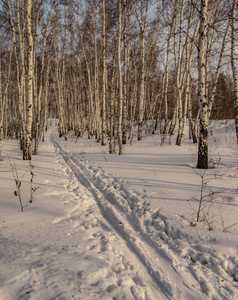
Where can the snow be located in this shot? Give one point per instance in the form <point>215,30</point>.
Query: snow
<point>120,227</point>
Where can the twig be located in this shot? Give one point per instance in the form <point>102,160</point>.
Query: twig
<point>224,229</point>
<point>32,174</point>
<point>18,184</point>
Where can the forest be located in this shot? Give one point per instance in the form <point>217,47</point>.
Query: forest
<point>103,66</point>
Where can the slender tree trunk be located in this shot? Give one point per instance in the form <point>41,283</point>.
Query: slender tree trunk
<point>125,90</point>
<point>2,102</point>
<point>142,88</point>
<point>142,21</point>
<point>166,82</point>
<point>202,162</point>
<point>20,67</point>
<point>188,62</point>
<point>96,97</point>
<point>4,92</point>
<point>38,91</point>
<point>133,101</point>
<point>59,77</point>
<point>112,110</point>
<point>166,73</point>
<point>192,127</point>
<point>29,86</point>
<point>179,82</point>
<point>120,82</point>
<point>234,66</point>
<point>104,72</point>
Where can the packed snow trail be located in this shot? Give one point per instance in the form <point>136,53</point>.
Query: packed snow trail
<point>53,254</point>
<point>160,273</point>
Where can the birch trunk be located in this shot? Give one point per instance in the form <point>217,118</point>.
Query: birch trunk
<point>2,103</point>
<point>142,88</point>
<point>188,63</point>
<point>202,162</point>
<point>142,21</point>
<point>103,142</point>
<point>120,82</point>
<point>3,93</point>
<point>166,82</point>
<point>112,110</point>
<point>124,113</point>
<point>178,76</point>
<point>59,77</point>
<point>29,83</point>
<point>39,90</point>
<point>89,91</point>
<point>133,101</point>
<point>234,66</point>
<point>96,98</point>
<point>20,66</point>
<point>166,73</point>
<point>192,127</point>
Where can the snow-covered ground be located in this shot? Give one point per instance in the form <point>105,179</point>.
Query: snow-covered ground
<point>120,227</point>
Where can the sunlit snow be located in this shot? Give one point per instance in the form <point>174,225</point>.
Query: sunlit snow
<point>120,227</point>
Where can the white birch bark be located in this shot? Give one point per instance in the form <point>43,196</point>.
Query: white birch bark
<point>133,101</point>
<point>60,80</point>
<point>29,83</point>
<point>89,89</point>
<point>96,96</point>
<point>20,66</point>
<point>233,62</point>
<point>103,142</point>
<point>120,80</point>
<point>178,74</point>
<point>112,109</point>
<point>189,46</point>
<point>166,80</point>
<point>142,21</point>
<point>4,93</point>
<point>46,90</point>
<point>125,90</point>
<point>2,103</point>
<point>202,162</point>
<point>39,87</point>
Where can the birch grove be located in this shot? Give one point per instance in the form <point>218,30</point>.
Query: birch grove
<point>111,68</point>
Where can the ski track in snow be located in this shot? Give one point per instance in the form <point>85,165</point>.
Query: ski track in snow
<point>122,211</point>
<point>89,263</point>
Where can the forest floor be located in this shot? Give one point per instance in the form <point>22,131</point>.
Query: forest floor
<point>120,227</point>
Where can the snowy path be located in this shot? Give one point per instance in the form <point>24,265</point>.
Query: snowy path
<point>86,236</point>
<point>118,212</point>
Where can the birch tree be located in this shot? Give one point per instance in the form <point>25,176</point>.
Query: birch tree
<point>120,78</point>
<point>202,162</point>
<point>29,82</point>
<point>38,84</point>
<point>233,63</point>
<point>189,49</point>
<point>94,5</point>
<point>141,15</point>
<point>179,75</point>
<point>104,73</point>
<point>4,90</point>
<point>18,42</point>
<point>126,5</point>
